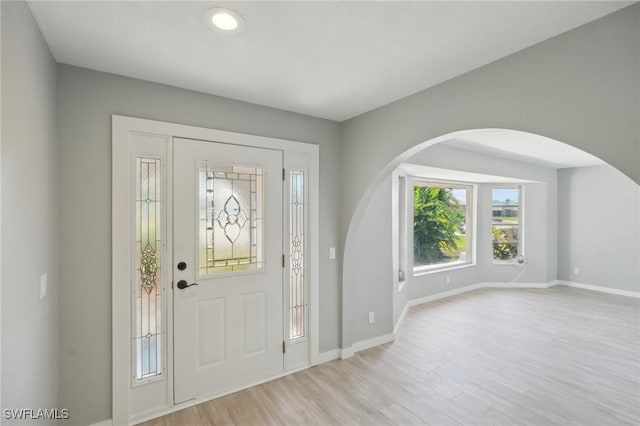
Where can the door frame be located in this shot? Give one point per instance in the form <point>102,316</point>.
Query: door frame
<point>159,400</point>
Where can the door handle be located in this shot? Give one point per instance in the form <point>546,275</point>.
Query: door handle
<point>182,284</point>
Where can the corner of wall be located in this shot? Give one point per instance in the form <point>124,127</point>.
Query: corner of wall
<point>30,349</point>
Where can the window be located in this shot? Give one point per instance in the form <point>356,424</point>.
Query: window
<point>506,218</point>
<point>148,340</point>
<point>441,225</point>
<point>297,270</point>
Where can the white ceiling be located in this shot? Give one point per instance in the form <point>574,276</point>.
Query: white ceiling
<point>327,59</point>
<point>524,146</point>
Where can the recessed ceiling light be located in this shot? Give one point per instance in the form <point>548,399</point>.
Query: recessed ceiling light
<point>225,20</point>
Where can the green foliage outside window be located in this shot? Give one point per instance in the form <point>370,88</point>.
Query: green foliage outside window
<point>505,243</point>
<point>438,226</point>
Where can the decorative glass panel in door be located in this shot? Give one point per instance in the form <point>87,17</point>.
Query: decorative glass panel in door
<point>231,234</point>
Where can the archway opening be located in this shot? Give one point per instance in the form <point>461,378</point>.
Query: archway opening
<point>565,222</point>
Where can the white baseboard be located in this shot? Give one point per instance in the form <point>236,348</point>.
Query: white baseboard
<point>476,286</point>
<point>366,344</point>
<point>520,285</point>
<point>326,357</point>
<point>444,294</point>
<point>356,347</point>
<point>347,352</point>
<point>107,422</point>
<point>601,289</point>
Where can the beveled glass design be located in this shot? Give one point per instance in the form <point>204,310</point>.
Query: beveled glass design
<point>148,335</point>
<point>297,288</point>
<point>230,218</point>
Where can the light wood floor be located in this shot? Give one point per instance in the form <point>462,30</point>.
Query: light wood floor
<point>559,356</point>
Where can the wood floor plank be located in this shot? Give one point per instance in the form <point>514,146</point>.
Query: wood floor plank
<point>558,356</point>
<point>401,416</point>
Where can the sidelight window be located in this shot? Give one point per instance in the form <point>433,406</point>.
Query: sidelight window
<point>297,270</point>
<point>148,336</point>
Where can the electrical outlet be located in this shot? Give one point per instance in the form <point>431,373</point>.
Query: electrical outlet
<point>576,270</point>
<point>332,252</point>
<point>372,318</point>
<point>43,286</point>
<point>448,279</point>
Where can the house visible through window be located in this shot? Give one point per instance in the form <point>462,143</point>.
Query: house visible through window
<point>506,231</point>
<point>441,225</point>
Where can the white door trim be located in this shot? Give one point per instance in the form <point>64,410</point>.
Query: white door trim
<point>122,128</point>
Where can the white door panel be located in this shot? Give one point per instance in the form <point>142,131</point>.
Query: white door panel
<point>228,329</point>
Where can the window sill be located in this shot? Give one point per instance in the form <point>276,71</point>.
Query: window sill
<point>433,269</point>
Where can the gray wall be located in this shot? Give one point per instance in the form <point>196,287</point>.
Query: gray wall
<point>580,88</point>
<point>86,101</point>
<point>370,272</point>
<point>599,228</point>
<point>29,214</point>
<point>372,266</point>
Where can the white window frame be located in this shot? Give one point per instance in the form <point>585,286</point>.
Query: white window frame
<point>513,260</point>
<point>470,223</point>
<point>399,230</point>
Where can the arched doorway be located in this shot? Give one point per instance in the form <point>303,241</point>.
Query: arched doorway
<point>370,270</point>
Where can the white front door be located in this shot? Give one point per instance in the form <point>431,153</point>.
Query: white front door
<point>227,251</point>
